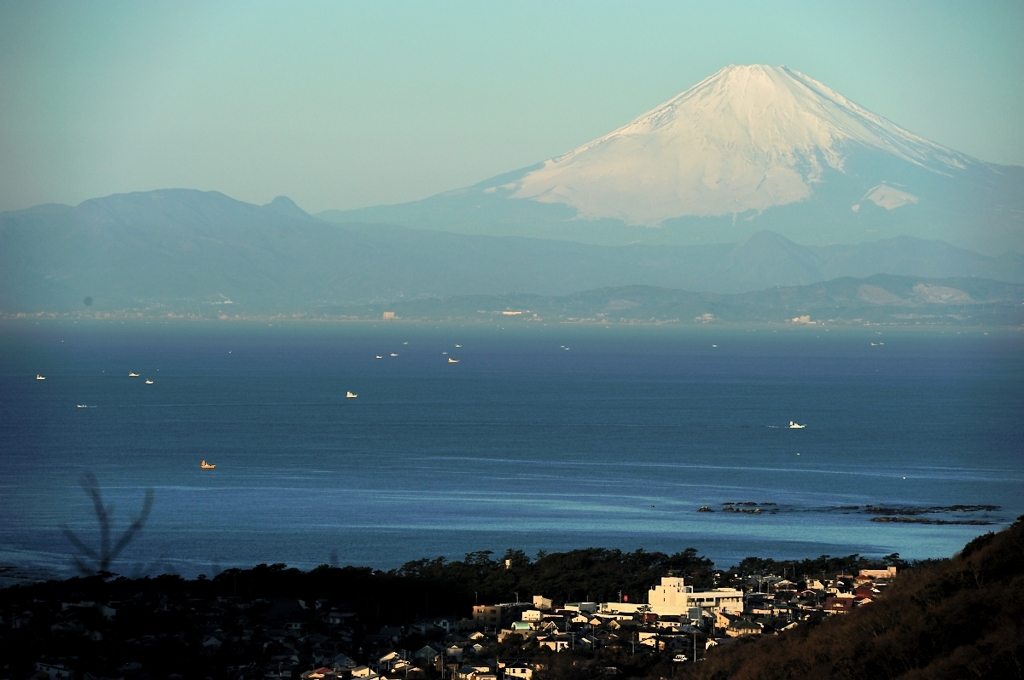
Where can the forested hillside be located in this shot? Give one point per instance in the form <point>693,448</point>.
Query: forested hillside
<point>956,618</point>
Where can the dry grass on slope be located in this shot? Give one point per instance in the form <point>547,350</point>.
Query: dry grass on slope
<point>957,618</point>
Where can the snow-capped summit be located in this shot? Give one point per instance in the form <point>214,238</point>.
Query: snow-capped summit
<point>752,148</point>
<point>746,138</point>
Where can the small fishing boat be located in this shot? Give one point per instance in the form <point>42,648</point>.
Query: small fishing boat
<point>796,426</point>
<point>40,377</point>
<point>206,466</point>
<point>133,375</point>
<point>82,405</point>
<point>351,395</point>
<point>394,354</point>
<point>379,356</point>
<point>452,361</point>
<point>149,382</point>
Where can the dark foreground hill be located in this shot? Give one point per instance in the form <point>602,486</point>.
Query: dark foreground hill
<point>957,618</point>
<point>954,618</point>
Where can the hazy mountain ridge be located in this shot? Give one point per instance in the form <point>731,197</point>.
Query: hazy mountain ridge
<point>879,299</point>
<point>752,148</point>
<point>184,250</point>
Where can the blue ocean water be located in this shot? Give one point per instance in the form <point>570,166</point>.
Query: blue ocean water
<point>541,437</point>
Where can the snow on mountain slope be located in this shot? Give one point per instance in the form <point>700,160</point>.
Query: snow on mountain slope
<point>745,139</point>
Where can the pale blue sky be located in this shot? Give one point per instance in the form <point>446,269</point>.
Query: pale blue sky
<point>348,104</point>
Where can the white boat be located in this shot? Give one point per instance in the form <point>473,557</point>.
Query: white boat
<point>379,356</point>
<point>82,405</point>
<point>452,361</point>
<point>394,354</point>
<point>149,382</point>
<point>133,375</point>
<point>458,345</point>
<point>796,426</point>
<point>40,377</point>
<point>351,395</point>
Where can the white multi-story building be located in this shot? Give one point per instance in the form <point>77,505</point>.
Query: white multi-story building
<point>675,598</point>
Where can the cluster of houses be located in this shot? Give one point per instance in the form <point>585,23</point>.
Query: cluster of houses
<point>676,619</point>
<point>290,638</point>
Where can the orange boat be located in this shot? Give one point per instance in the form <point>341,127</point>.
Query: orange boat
<point>206,466</point>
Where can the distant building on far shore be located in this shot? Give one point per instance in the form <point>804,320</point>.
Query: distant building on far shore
<point>389,315</point>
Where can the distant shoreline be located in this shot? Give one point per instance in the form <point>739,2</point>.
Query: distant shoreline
<point>489,320</point>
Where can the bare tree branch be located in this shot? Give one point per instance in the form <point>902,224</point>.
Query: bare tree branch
<point>102,558</point>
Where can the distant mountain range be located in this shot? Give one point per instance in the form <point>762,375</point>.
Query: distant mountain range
<point>754,179</point>
<point>749,149</point>
<point>879,299</point>
<point>185,251</point>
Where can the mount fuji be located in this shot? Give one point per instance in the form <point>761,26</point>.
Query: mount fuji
<point>749,149</point>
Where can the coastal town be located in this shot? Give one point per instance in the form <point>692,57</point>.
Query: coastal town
<point>105,627</point>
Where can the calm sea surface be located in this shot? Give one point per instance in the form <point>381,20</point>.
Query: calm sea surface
<point>541,437</point>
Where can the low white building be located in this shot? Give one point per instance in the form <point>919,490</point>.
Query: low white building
<point>590,607</point>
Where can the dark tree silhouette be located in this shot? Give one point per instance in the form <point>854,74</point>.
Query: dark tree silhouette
<point>102,557</point>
